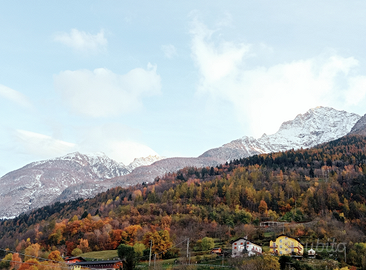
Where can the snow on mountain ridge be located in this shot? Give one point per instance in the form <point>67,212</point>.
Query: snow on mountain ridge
<point>143,161</point>
<point>103,166</point>
<point>39,183</point>
<point>317,125</point>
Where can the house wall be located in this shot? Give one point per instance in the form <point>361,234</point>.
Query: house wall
<point>239,245</point>
<point>285,245</point>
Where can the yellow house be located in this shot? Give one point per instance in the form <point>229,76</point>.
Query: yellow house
<point>285,245</point>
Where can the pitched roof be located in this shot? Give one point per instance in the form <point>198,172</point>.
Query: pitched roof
<point>96,262</point>
<point>245,239</point>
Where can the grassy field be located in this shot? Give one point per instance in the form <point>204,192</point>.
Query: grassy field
<point>100,255</point>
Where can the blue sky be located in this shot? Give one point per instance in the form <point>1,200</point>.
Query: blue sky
<point>173,78</point>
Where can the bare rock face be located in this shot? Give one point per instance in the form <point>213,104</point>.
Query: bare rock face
<point>82,176</point>
<point>316,126</point>
<point>39,183</point>
<point>360,127</point>
<point>139,175</point>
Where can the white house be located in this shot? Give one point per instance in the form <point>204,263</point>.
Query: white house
<point>311,253</point>
<point>243,246</point>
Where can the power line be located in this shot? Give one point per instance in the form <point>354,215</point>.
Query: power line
<point>164,250</point>
<point>35,257</point>
<point>32,263</point>
<point>38,258</point>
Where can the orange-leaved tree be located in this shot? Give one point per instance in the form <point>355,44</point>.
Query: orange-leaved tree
<point>55,256</point>
<point>129,234</point>
<point>16,261</point>
<point>160,241</point>
<point>31,264</point>
<point>31,251</point>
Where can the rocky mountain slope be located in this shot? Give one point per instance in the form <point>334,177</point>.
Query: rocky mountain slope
<point>38,183</point>
<point>77,175</point>
<point>316,126</point>
<point>138,176</point>
<point>360,127</point>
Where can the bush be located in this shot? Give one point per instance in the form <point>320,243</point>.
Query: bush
<point>207,243</point>
<point>76,252</point>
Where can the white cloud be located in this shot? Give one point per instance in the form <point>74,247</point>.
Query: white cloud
<point>41,146</point>
<point>356,91</point>
<point>117,141</point>
<point>266,96</point>
<point>14,96</point>
<point>82,41</point>
<point>102,93</point>
<point>127,151</point>
<point>169,50</point>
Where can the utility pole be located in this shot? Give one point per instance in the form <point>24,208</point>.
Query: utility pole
<point>345,256</point>
<point>154,260</point>
<point>150,253</point>
<point>187,250</point>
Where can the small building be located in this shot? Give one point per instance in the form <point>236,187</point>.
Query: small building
<point>285,245</point>
<point>216,251</point>
<point>243,246</point>
<point>71,260</point>
<point>103,265</point>
<point>311,253</point>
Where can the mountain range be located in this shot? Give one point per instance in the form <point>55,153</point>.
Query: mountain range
<point>78,175</point>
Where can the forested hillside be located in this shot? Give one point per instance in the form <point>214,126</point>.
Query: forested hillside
<point>325,185</point>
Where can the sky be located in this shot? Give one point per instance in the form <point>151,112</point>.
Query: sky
<point>169,78</point>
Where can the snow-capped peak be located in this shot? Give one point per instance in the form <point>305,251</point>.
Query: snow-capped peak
<point>143,161</point>
<point>316,126</point>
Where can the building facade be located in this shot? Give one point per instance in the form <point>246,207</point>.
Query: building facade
<point>285,245</point>
<point>98,265</point>
<point>243,246</point>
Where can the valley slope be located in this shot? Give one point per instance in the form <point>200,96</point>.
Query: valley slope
<point>83,176</point>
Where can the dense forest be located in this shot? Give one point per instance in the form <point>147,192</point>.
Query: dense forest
<point>320,192</point>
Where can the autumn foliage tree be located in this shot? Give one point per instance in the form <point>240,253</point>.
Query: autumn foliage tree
<point>262,208</point>
<point>160,241</point>
<point>31,264</point>
<point>32,251</point>
<point>16,261</point>
<point>128,235</point>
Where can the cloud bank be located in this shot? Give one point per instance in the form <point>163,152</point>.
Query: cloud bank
<point>82,41</point>
<point>264,97</point>
<point>102,93</point>
<point>114,139</point>
<point>14,96</point>
<point>42,146</point>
